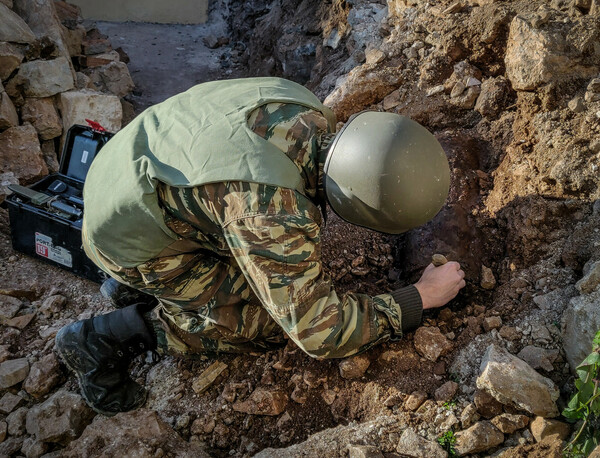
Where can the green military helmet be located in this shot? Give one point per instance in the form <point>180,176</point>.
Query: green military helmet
<point>386,172</point>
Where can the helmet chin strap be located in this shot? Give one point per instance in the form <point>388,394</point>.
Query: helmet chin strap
<point>324,142</point>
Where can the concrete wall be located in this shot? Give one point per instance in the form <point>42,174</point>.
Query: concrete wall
<point>162,11</point>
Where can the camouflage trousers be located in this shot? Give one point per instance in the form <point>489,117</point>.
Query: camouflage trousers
<point>206,306</point>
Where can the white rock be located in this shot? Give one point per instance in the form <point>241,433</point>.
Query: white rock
<point>512,381</point>
<point>535,56</point>
<point>435,90</point>
<point>472,82</point>
<point>77,106</point>
<point>415,446</point>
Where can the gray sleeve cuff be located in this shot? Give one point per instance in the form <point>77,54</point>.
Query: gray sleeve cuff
<point>411,306</point>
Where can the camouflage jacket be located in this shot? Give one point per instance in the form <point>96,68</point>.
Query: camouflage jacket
<point>272,235</point>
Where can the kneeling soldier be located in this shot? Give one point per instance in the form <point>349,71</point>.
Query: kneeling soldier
<point>208,205</point>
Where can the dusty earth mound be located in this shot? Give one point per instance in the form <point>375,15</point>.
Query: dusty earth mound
<point>511,90</point>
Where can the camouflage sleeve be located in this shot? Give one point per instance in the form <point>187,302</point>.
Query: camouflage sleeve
<point>279,253</point>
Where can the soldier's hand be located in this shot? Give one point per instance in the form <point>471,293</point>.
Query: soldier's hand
<point>439,285</point>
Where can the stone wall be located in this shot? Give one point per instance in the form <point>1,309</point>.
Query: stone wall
<point>55,71</point>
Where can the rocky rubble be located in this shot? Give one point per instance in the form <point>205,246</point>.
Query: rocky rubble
<point>511,91</point>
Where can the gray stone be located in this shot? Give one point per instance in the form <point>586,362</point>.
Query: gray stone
<point>8,112</point>
<point>44,78</point>
<point>9,306</point>
<point>5,353</point>
<point>11,446</point>
<point>9,402</point>
<point>77,106</point>
<point>478,438</point>
<point>13,28</point>
<point>21,154</point>
<point>42,114</point>
<point>60,419</point>
<point>113,77</point>
<point>52,305</point>
<point>354,367</point>
<point>415,446</point>
<point>512,381</point>
<point>591,97</point>
<point>431,343</point>
<point>33,448</point>
<point>16,421</point>
<point>446,392</point>
<point>492,96</point>
<point>3,430</point>
<point>10,59</point>
<point>539,358</point>
<point>580,322</point>
<point>364,451</point>
<point>12,372</point>
<point>138,433</point>
<point>590,280</point>
<point>43,376</point>
<point>576,105</point>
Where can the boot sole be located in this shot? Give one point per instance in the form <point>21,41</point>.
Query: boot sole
<point>65,360</point>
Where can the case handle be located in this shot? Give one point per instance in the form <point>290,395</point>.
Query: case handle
<point>95,126</point>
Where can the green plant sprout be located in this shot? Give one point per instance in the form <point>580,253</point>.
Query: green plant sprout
<point>585,404</point>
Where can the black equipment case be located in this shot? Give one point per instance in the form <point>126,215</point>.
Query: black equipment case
<point>51,230</point>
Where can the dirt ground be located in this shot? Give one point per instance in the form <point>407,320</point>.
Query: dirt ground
<point>167,59</point>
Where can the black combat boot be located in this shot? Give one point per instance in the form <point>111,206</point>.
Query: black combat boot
<point>99,351</point>
<point>121,295</point>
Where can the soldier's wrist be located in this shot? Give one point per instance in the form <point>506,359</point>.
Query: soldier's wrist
<point>411,306</point>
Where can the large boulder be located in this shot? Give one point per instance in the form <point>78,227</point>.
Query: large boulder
<point>44,78</point>
<point>580,323</point>
<point>77,106</point>
<point>21,153</point>
<point>42,114</point>
<point>537,54</point>
<point>10,59</point>
<point>141,433</point>
<point>13,28</point>
<point>60,419</point>
<point>362,87</point>
<point>512,381</point>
